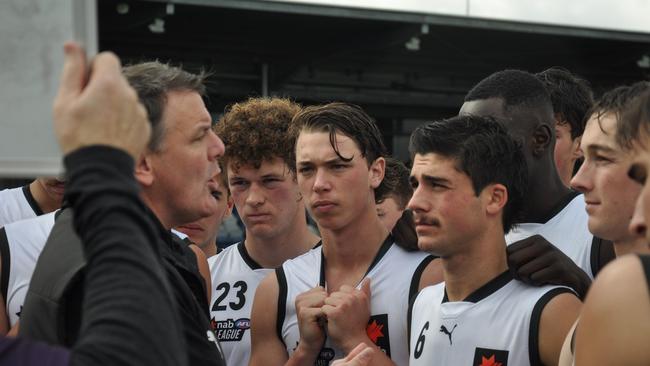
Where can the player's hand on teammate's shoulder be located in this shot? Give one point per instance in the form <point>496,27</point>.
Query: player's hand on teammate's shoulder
<point>348,311</point>
<point>537,262</point>
<point>102,110</point>
<point>359,356</point>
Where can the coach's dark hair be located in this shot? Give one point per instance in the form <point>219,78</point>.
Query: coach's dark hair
<point>152,81</point>
<point>515,87</point>
<point>483,150</point>
<point>616,102</point>
<point>347,119</point>
<point>571,97</point>
<point>636,119</point>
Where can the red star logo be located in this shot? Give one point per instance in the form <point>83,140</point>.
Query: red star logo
<point>489,361</point>
<point>374,331</point>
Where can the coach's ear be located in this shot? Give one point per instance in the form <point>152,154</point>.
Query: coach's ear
<point>376,172</point>
<point>144,170</point>
<point>494,197</point>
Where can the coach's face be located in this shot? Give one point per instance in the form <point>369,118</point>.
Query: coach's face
<point>179,180</point>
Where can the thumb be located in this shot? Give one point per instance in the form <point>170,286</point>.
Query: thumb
<point>365,286</point>
<point>74,71</point>
<point>363,358</point>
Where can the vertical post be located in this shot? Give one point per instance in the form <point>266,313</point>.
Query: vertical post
<point>265,79</point>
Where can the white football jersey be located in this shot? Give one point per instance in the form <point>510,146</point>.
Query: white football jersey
<point>17,204</point>
<point>21,243</point>
<point>567,230</point>
<point>235,277</point>
<point>498,324</point>
<point>395,276</point>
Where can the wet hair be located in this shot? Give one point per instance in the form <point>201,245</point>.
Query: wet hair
<point>482,149</point>
<point>152,82</point>
<point>636,119</point>
<point>617,101</point>
<point>396,180</point>
<point>571,97</point>
<point>256,130</point>
<point>349,120</point>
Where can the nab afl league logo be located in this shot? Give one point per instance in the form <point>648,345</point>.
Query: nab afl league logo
<point>230,330</point>
<point>325,356</point>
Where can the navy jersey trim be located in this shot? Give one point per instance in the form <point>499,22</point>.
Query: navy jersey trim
<point>6,263</point>
<point>536,316</point>
<point>645,263</point>
<point>486,290</point>
<point>417,276</point>
<point>388,242</point>
<point>32,202</point>
<point>409,320</point>
<point>413,293</point>
<point>282,302</point>
<point>602,252</point>
<point>246,257</point>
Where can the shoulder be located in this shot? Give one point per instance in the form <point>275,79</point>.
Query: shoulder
<point>429,294</point>
<point>615,321</point>
<point>32,230</point>
<point>12,192</point>
<point>619,282</point>
<point>226,253</point>
<point>304,261</point>
<point>553,316</point>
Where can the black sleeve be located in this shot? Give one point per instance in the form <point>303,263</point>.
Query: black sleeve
<point>602,252</point>
<point>128,316</point>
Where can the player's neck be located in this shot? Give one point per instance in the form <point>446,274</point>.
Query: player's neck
<point>350,252</point>
<point>631,245</point>
<point>466,272</point>
<point>271,252</point>
<point>210,249</point>
<point>356,243</point>
<point>545,194</point>
<point>45,202</point>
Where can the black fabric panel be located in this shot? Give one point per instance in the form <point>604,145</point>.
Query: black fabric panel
<point>602,252</point>
<point>533,334</point>
<point>645,262</point>
<point>6,264</point>
<point>247,258</point>
<point>282,302</point>
<point>32,202</point>
<point>417,276</point>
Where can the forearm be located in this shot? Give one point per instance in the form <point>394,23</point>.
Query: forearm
<point>126,296</point>
<point>302,357</point>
